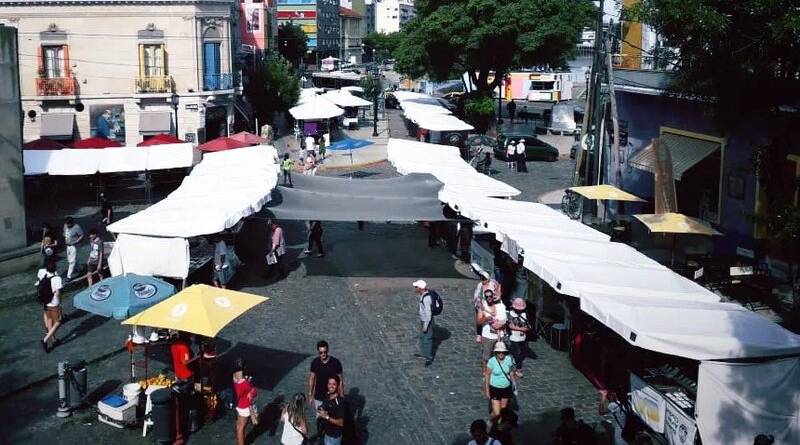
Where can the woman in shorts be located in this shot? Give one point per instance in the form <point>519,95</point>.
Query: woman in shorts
<point>246,399</point>
<point>498,382</point>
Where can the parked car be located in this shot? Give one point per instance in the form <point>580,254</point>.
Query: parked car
<point>535,148</point>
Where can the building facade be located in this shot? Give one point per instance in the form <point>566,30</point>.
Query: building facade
<point>257,25</point>
<point>125,70</point>
<point>320,21</point>
<point>392,15</point>
<point>369,16</point>
<point>352,34</point>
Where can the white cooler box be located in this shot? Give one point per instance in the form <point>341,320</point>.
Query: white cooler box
<point>120,416</point>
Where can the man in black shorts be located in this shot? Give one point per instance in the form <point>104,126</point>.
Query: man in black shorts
<point>323,368</point>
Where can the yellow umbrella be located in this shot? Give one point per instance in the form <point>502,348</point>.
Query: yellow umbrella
<point>675,223</point>
<point>605,192</point>
<point>199,309</point>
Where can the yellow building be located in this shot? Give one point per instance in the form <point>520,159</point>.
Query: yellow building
<point>125,69</point>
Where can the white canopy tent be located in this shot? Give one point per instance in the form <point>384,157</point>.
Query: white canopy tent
<point>437,121</point>
<point>109,160</point>
<point>315,108</point>
<point>221,190</point>
<point>446,165</point>
<point>345,99</point>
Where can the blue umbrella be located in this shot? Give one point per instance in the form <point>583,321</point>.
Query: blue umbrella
<point>123,296</point>
<point>349,144</point>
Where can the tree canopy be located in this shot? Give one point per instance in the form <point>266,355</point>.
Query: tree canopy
<point>450,37</point>
<point>743,56</point>
<point>272,87</point>
<point>292,42</point>
<point>381,46</point>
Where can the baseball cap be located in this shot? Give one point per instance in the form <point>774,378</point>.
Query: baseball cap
<point>420,284</point>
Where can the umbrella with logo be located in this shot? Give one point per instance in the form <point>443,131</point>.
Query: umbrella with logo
<point>199,309</point>
<point>123,296</point>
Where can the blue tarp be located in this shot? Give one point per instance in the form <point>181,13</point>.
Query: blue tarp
<point>349,144</point>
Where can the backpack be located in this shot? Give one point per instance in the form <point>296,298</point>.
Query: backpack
<point>45,290</point>
<point>436,302</point>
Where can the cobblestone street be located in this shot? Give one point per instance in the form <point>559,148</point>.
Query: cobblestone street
<point>359,298</point>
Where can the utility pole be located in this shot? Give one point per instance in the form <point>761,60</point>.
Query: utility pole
<point>377,91</point>
<point>594,114</point>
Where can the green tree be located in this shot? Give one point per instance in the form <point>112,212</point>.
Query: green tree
<point>292,43</point>
<point>481,37</point>
<point>272,87</point>
<point>380,46</point>
<point>372,87</point>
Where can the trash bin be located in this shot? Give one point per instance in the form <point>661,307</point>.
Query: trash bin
<point>77,383</point>
<point>184,404</point>
<point>162,415</point>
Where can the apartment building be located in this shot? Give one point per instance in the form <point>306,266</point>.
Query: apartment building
<point>392,15</point>
<point>353,31</point>
<point>125,70</point>
<point>320,21</point>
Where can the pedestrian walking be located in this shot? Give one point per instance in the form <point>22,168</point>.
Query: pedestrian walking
<point>286,168</point>
<point>73,235</point>
<point>487,283</point>
<point>310,166</point>
<point>480,435</point>
<point>47,248</point>
<point>519,326</point>
<point>492,317</point>
<point>315,239</point>
<point>323,368</point>
<point>295,430</point>
<point>309,145</point>
<point>106,210</point>
<point>522,167</point>
<point>498,380</point>
<point>425,320</point>
<point>222,268</point>
<point>277,249</point>
<point>503,425</point>
<point>524,114</point>
<point>332,413</point>
<point>246,395</point>
<point>49,294</point>
<point>322,149</point>
<point>511,153</point>
<point>511,107</point>
<point>94,262</point>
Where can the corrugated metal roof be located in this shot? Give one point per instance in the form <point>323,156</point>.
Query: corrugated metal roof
<point>686,152</point>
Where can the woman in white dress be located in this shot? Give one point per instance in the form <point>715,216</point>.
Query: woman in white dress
<point>294,421</point>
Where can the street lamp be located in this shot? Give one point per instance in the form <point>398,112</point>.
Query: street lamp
<point>377,90</point>
<point>499,102</point>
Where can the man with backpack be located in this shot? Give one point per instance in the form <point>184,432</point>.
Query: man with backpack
<point>49,296</point>
<point>430,305</point>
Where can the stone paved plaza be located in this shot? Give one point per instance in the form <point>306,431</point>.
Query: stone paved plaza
<point>359,298</point>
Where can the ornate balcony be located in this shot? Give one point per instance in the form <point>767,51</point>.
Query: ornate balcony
<point>217,81</point>
<point>153,84</point>
<point>55,86</point>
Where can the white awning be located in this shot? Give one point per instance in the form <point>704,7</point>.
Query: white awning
<point>446,165</point>
<point>147,255</point>
<point>57,125</point>
<point>434,121</point>
<point>71,162</point>
<point>315,108</point>
<point>345,99</point>
<point>221,190</point>
<point>685,152</point>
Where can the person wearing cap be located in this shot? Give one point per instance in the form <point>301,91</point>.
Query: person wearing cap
<point>492,317</point>
<point>425,321</point>
<point>519,326</point>
<point>522,167</point>
<point>498,380</point>
<point>511,151</point>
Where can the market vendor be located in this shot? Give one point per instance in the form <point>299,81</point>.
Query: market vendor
<point>182,357</point>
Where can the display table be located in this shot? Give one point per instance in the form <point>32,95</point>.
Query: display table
<point>664,398</point>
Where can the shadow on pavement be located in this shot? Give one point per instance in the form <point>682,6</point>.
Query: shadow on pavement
<point>440,334</point>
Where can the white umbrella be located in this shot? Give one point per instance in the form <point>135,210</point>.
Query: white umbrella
<point>316,108</point>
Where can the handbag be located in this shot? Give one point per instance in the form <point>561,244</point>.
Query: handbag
<point>271,258</point>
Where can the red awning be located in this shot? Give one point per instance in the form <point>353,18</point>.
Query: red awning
<point>43,144</point>
<point>222,143</point>
<point>248,138</point>
<point>95,142</point>
<point>159,139</point>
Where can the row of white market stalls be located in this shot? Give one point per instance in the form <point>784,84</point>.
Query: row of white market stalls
<point>222,189</point>
<point>315,111</point>
<point>749,367</point>
<point>109,160</point>
<point>429,121</point>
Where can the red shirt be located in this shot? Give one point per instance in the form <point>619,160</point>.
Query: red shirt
<point>180,352</point>
<point>245,393</point>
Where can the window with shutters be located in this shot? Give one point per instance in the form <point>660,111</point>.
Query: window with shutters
<point>53,62</point>
<point>152,63</point>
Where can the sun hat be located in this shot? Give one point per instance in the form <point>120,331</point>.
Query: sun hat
<point>518,304</point>
<point>420,284</point>
<point>500,347</point>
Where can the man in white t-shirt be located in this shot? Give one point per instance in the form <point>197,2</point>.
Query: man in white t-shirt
<point>310,144</point>
<point>522,167</point>
<point>50,282</point>
<point>511,153</point>
<point>73,235</point>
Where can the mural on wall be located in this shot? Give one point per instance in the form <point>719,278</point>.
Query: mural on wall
<point>252,14</point>
<point>108,121</point>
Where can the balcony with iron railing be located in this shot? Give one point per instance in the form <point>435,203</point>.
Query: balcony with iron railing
<point>153,84</point>
<point>56,86</point>
<point>217,81</point>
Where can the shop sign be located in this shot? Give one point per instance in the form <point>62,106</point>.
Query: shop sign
<point>679,428</point>
<point>192,107</point>
<point>648,404</point>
